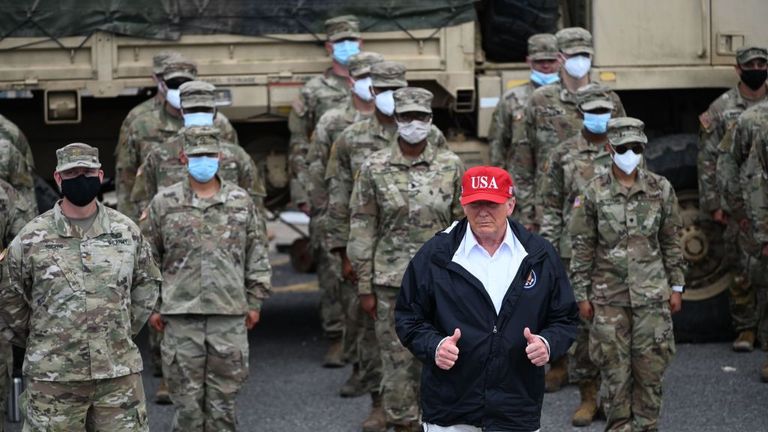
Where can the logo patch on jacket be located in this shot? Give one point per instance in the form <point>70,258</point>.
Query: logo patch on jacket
<point>531,281</point>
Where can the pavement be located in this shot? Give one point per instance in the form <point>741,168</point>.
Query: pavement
<point>707,387</point>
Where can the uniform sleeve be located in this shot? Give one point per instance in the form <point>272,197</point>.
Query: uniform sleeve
<point>338,177</point>
<point>145,184</point>
<point>145,290</point>
<point>126,165</point>
<point>523,168</point>
<point>619,107</point>
<point>457,211</point>
<point>362,229</point>
<point>18,216</point>
<point>759,209</point>
<point>22,179</point>
<point>709,141</point>
<point>300,124</point>
<point>152,235</point>
<point>671,223</point>
<point>23,145</point>
<point>497,134</point>
<point>258,273</point>
<point>552,202</point>
<point>250,179</point>
<point>228,132</point>
<point>728,171</point>
<point>15,289</point>
<point>583,231</point>
<point>318,157</point>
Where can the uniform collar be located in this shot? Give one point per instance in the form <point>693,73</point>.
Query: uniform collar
<point>193,201</point>
<point>383,131</point>
<point>641,184</point>
<point>396,156</point>
<point>65,228</point>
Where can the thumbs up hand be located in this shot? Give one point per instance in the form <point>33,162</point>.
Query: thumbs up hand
<point>536,350</point>
<point>447,351</point>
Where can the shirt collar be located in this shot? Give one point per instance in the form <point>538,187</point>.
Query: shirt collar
<point>65,228</point>
<point>470,241</point>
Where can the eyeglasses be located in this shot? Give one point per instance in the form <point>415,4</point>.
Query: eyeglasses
<point>636,148</point>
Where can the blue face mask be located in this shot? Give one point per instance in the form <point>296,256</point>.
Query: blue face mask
<point>596,123</point>
<point>343,50</point>
<point>198,119</point>
<point>540,78</point>
<point>203,168</point>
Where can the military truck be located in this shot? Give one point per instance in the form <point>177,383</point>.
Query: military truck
<point>70,71</point>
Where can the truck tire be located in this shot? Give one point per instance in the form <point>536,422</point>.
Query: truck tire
<point>508,24</point>
<point>705,316</point>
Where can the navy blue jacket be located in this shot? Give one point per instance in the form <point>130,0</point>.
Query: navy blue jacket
<point>493,384</point>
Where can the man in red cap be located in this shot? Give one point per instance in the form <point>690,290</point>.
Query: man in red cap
<point>484,305</point>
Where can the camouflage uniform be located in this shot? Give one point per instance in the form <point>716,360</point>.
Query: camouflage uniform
<point>625,258</point>
<point>97,287</point>
<point>571,166</point>
<point>551,117</point>
<point>17,171</point>
<point>329,127</point>
<point>12,133</point>
<point>397,204</point>
<point>14,214</point>
<point>318,96</point>
<point>213,254</point>
<point>506,138</point>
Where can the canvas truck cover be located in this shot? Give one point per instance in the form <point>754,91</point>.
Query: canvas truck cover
<point>170,19</point>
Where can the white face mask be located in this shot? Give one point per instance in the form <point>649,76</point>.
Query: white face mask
<point>415,131</point>
<point>362,89</point>
<point>578,66</point>
<point>174,98</point>
<point>385,102</point>
<point>628,161</point>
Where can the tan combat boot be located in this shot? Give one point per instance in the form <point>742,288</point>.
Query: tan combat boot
<point>585,413</point>
<point>162,397</point>
<point>557,375</point>
<point>377,419</point>
<point>334,358</point>
<point>353,387</point>
<point>745,342</point>
<point>764,372</point>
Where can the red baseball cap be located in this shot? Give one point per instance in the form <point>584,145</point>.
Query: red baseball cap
<point>486,183</point>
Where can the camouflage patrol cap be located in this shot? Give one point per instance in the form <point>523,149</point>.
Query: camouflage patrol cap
<point>388,74</point>
<point>201,140</point>
<point>623,130</point>
<point>594,96</point>
<point>745,54</point>
<point>410,99</point>
<point>179,66</point>
<point>341,27</point>
<point>574,40</point>
<point>360,63</point>
<point>160,59</point>
<point>77,155</point>
<point>197,94</point>
<point>542,46</point>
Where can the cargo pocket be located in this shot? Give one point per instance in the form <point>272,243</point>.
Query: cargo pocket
<point>601,342</point>
<point>664,337</point>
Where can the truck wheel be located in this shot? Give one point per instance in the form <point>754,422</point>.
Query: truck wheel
<point>509,23</point>
<point>705,315</point>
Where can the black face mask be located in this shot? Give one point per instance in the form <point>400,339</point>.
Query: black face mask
<point>81,190</point>
<point>754,78</point>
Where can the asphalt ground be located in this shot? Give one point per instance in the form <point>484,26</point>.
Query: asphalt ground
<point>707,387</point>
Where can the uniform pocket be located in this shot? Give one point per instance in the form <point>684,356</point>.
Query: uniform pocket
<point>664,337</point>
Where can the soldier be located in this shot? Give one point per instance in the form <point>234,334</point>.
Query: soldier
<point>162,166</point>
<point>83,271</point>
<point>508,121</point>
<point>571,165</point>
<point>718,165</point>
<point>12,133</point>
<point>17,170</point>
<point>320,94</point>
<point>212,246</point>
<point>402,195</point>
<point>366,379</point>
<point>627,274</point>
<point>14,214</point>
<point>552,117</point>
<point>154,127</point>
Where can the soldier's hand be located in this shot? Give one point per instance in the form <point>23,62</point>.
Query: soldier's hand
<point>368,304</point>
<point>720,217</point>
<point>536,350</point>
<point>347,272</point>
<point>304,207</point>
<point>447,352</point>
<point>156,321</point>
<point>676,302</point>
<point>252,318</point>
<point>585,310</point>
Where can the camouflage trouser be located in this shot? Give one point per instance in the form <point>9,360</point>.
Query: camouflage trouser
<point>105,405</point>
<point>155,338</point>
<point>757,272</point>
<point>580,365</point>
<point>6,368</point>
<point>632,347</point>
<point>205,362</point>
<point>331,311</point>
<point>401,372</point>
<point>743,304</point>
<point>360,343</point>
